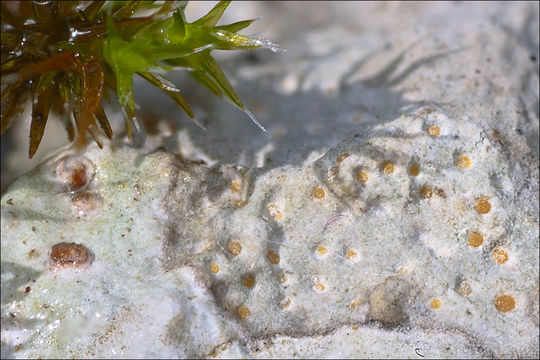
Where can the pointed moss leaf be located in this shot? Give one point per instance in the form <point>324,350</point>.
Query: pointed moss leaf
<point>164,11</point>
<point>128,8</point>
<point>74,84</point>
<point>70,129</point>
<point>170,89</point>
<point>60,98</point>
<point>236,41</point>
<point>138,135</point>
<point>92,130</point>
<point>92,10</point>
<point>213,16</point>
<point>164,83</point>
<point>40,113</point>
<point>45,82</point>
<point>217,75</point>
<point>196,70</point>
<point>103,121</point>
<point>198,123</point>
<point>173,52</point>
<point>178,30</point>
<point>254,119</point>
<point>12,105</point>
<point>213,70</point>
<point>158,29</point>
<point>182,4</point>
<point>92,90</point>
<point>124,90</point>
<point>7,91</point>
<point>207,82</point>
<point>93,81</point>
<point>237,26</point>
<point>168,7</point>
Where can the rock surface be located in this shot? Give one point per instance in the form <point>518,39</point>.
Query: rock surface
<point>390,211</point>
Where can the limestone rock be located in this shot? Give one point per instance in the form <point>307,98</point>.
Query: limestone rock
<point>391,211</point>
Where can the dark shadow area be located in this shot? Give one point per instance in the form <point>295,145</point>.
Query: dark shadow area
<point>298,123</point>
<point>6,143</point>
<point>27,214</point>
<point>527,37</point>
<point>16,280</point>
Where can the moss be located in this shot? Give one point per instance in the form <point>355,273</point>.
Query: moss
<point>66,55</point>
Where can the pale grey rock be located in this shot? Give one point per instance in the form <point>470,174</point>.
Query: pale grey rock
<point>318,238</point>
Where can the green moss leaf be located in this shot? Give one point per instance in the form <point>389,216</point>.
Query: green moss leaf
<point>210,20</point>
<point>40,113</point>
<point>123,55</point>
<point>170,89</point>
<point>237,26</point>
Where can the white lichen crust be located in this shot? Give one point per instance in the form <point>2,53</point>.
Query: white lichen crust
<point>184,261</point>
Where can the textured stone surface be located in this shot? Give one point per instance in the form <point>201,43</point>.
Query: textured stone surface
<point>390,211</point>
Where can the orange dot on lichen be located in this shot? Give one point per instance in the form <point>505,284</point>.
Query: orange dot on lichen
<point>243,312</point>
<point>388,168</point>
<point>333,171</point>
<point>402,271</point>
<point>463,162</point>
<point>321,250</point>
<point>274,212</point>
<point>504,303</point>
<point>362,177</point>
<point>435,304</point>
<point>281,278</point>
<point>342,157</point>
<point>318,193</point>
<point>214,268</point>
<point>319,287</point>
<point>414,170</point>
<point>248,281</point>
<point>476,239</point>
<point>234,248</point>
<point>273,257</point>
<point>500,256</point>
<point>235,186</point>
<point>32,254</point>
<point>464,288</point>
<point>285,303</point>
<point>440,192</point>
<point>240,203</point>
<point>434,130</point>
<point>354,327</point>
<point>356,302</point>
<point>426,192</point>
<point>351,254</point>
<point>482,206</point>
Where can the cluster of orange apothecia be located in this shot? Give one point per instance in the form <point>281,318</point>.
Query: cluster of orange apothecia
<point>482,206</point>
